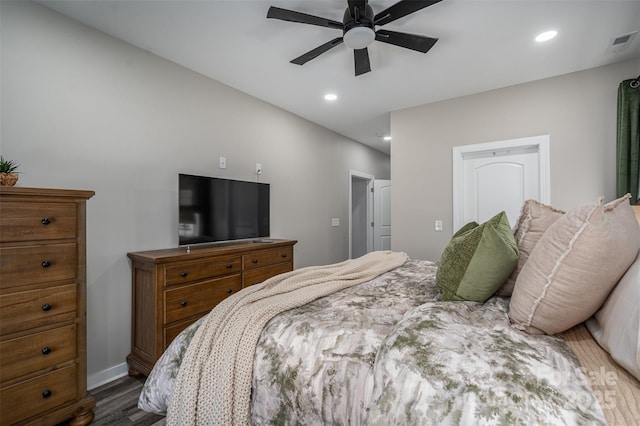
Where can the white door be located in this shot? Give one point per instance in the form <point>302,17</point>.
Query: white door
<point>497,181</point>
<point>381,214</point>
<point>499,176</point>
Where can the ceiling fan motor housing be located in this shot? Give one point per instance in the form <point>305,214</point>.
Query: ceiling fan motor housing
<point>358,30</point>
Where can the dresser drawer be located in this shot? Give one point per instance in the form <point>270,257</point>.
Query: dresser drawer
<point>35,352</point>
<point>192,299</point>
<point>21,221</point>
<point>37,264</point>
<point>28,309</point>
<point>256,276</point>
<point>31,397</point>
<point>193,271</point>
<point>262,258</point>
<point>172,331</point>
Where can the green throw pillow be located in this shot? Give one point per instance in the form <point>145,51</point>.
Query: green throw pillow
<point>478,260</point>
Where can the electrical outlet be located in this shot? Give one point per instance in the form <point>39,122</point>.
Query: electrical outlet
<point>223,162</point>
<point>438,225</point>
<point>258,168</point>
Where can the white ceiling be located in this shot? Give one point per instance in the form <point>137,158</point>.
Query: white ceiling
<point>483,45</point>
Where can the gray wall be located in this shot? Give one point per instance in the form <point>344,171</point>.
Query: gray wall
<point>577,110</point>
<point>83,110</point>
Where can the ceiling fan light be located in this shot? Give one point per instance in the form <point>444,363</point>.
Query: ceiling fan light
<point>359,37</point>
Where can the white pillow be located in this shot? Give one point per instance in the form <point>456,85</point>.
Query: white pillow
<point>616,326</point>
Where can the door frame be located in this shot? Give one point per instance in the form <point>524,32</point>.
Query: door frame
<point>369,179</point>
<point>541,143</point>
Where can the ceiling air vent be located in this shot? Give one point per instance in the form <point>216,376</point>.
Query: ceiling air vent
<point>621,42</point>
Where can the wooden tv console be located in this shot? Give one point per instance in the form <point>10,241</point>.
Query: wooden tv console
<point>172,288</point>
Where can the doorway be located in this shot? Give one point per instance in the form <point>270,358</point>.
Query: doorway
<point>369,214</point>
<point>360,214</point>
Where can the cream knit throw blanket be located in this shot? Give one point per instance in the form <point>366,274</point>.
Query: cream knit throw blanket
<point>213,386</point>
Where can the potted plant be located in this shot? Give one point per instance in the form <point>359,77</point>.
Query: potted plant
<point>8,174</point>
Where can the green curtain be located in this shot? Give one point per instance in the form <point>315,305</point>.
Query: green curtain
<point>628,148</point>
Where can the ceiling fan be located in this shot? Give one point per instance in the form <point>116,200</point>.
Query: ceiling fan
<point>358,28</point>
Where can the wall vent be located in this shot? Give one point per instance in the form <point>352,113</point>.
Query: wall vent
<point>621,42</point>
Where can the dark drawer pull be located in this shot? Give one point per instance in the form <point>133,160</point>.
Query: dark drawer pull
<point>183,303</point>
<point>255,260</point>
<point>46,393</point>
<point>229,265</point>
<point>229,290</point>
<point>183,274</point>
<point>45,221</point>
<point>46,307</point>
<point>284,255</point>
<point>46,263</point>
<point>46,350</point>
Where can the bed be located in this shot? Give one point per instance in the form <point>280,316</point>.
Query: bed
<point>347,345</point>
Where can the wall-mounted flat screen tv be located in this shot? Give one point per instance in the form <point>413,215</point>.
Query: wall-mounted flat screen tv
<point>215,209</point>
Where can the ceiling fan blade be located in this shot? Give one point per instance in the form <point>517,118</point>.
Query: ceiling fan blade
<point>361,59</point>
<point>302,18</point>
<point>400,9</point>
<point>303,59</point>
<point>406,40</point>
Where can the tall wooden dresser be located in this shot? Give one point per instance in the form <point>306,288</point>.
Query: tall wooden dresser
<point>43,379</point>
<point>172,288</point>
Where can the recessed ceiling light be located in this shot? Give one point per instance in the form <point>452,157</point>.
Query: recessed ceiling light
<point>387,138</point>
<point>330,97</point>
<point>546,36</point>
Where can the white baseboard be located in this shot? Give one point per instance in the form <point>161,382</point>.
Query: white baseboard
<point>105,376</point>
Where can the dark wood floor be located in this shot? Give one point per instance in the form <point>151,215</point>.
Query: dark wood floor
<point>117,404</point>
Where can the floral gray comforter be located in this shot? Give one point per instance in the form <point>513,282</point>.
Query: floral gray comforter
<point>389,352</point>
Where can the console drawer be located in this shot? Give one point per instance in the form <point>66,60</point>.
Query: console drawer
<point>35,352</point>
<point>171,332</point>
<point>21,221</point>
<point>256,276</point>
<point>29,309</point>
<point>28,265</point>
<point>193,271</point>
<point>192,299</point>
<point>262,258</point>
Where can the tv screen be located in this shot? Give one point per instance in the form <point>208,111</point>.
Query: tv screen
<point>216,209</point>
